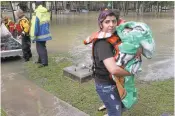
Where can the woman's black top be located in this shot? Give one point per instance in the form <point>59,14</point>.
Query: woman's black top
<point>102,51</point>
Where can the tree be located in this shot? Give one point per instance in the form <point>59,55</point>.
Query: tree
<point>13,11</point>
<point>23,6</point>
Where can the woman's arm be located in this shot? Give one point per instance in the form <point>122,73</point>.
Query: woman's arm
<point>111,66</point>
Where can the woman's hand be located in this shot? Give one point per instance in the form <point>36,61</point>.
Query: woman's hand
<point>113,69</point>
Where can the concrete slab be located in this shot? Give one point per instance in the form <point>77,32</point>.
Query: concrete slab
<point>79,73</point>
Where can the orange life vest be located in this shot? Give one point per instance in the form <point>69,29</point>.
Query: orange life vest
<point>115,41</point>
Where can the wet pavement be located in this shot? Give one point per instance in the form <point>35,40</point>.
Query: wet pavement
<point>21,97</point>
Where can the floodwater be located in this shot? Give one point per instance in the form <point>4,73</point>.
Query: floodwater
<point>69,31</point>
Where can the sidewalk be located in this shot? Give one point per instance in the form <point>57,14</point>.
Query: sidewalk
<point>21,97</point>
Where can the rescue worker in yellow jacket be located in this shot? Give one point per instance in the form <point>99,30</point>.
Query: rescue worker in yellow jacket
<point>40,32</point>
<point>26,42</point>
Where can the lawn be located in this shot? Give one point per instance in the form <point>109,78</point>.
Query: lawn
<point>155,98</point>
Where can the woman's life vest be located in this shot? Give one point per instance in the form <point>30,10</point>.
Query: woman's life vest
<point>115,41</point>
<point>125,57</point>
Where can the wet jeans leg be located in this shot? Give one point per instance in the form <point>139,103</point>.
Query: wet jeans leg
<point>110,97</point>
<point>42,52</point>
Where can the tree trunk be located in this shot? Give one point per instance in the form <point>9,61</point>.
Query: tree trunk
<point>143,7</point>
<point>55,8</point>
<point>150,8</point>
<point>51,10</point>
<point>124,8</point>
<point>137,7</point>
<point>166,8</point>
<point>12,11</point>
<point>157,7</point>
<point>30,10</point>
<point>134,5</point>
<point>161,8</point>
<point>112,5</point>
<point>62,5</point>
<point>119,6</point>
<point>123,4</point>
<point>127,6</point>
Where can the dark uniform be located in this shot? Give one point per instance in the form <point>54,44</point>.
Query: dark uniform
<point>42,52</point>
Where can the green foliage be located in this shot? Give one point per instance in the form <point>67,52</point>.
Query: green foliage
<point>5,3</point>
<point>154,98</point>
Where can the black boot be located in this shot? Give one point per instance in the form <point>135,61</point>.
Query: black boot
<point>42,65</point>
<point>37,62</point>
<point>30,55</point>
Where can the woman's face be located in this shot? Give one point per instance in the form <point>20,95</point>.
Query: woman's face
<point>109,24</point>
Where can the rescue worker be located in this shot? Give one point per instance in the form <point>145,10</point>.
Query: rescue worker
<point>10,25</point>
<point>26,42</point>
<point>7,21</point>
<point>40,32</point>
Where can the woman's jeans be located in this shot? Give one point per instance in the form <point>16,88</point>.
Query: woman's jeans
<point>110,97</point>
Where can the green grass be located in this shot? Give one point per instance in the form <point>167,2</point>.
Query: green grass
<point>155,98</point>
